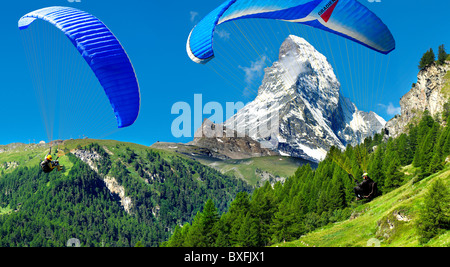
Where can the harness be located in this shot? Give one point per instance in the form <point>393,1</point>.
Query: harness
<point>45,167</point>
<point>373,192</point>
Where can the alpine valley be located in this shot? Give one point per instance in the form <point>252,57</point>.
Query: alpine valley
<point>316,207</point>
<point>281,186</point>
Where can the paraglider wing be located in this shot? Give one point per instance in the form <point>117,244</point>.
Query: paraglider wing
<point>103,53</point>
<point>347,18</point>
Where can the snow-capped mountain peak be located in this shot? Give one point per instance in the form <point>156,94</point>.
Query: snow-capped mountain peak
<point>301,90</point>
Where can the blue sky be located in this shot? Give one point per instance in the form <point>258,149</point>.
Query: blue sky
<point>154,35</point>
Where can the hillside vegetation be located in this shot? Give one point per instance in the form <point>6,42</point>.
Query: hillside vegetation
<point>256,171</point>
<point>110,194</point>
<point>121,194</point>
<point>412,174</point>
<point>390,220</point>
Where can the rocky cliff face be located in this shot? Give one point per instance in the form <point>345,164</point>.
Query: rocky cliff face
<point>90,158</point>
<point>214,137</point>
<point>301,90</point>
<point>427,94</point>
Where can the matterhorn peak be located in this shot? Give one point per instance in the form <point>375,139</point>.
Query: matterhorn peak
<point>301,88</point>
<point>298,59</point>
<point>296,46</point>
<point>291,44</point>
<point>299,48</point>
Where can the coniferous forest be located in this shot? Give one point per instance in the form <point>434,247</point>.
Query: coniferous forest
<point>314,198</point>
<point>49,209</point>
<point>180,202</point>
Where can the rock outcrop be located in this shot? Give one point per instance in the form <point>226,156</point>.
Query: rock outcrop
<point>90,158</point>
<point>426,94</point>
<point>215,138</point>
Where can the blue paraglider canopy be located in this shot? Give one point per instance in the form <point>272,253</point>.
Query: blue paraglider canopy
<point>102,52</point>
<point>346,18</point>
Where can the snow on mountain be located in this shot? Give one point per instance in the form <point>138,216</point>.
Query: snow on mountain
<point>299,110</point>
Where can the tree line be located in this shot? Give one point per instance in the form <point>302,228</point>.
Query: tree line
<point>50,209</point>
<point>429,58</point>
<point>314,198</point>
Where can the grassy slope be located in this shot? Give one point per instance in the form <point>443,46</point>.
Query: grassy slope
<point>31,155</point>
<point>379,219</point>
<point>446,88</point>
<point>246,169</point>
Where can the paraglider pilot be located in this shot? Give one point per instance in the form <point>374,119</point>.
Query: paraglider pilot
<point>48,165</point>
<point>367,189</point>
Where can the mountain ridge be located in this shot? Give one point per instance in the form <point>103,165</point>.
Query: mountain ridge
<point>302,90</point>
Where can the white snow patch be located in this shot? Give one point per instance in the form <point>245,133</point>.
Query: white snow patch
<point>317,153</point>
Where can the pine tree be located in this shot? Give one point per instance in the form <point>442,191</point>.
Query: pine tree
<point>435,215</point>
<point>424,128</point>
<point>314,198</point>
<point>184,234</point>
<point>209,218</point>
<point>394,177</point>
<point>427,145</point>
<point>389,153</point>
<point>240,206</point>
<point>446,113</point>
<point>263,206</point>
<point>283,220</point>
<point>235,227</point>
<point>336,191</point>
<point>222,230</point>
<point>428,58</point>
<point>446,147</point>
<point>436,164</point>
<point>413,140</point>
<point>249,234</point>
<point>177,238</point>
<point>438,156</point>
<point>376,170</point>
<point>230,223</point>
<point>194,237</point>
<point>404,150</point>
<point>442,55</point>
